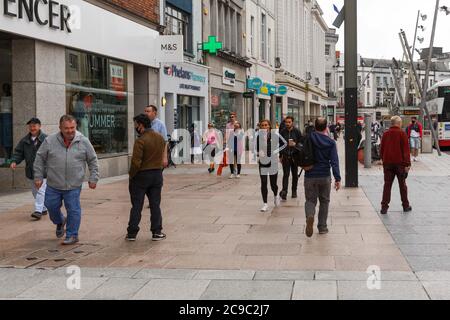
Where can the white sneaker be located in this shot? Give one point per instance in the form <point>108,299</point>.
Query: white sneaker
<point>265,208</point>
<point>277,201</point>
<point>238,176</point>
<point>231,177</point>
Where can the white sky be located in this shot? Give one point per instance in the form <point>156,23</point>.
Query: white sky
<point>380,21</point>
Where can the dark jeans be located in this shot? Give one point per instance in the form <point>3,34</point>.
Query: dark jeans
<point>273,185</point>
<point>390,172</point>
<point>318,189</point>
<point>148,183</point>
<point>288,168</point>
<point>238,165</point>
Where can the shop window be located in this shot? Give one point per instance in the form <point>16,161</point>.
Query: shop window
<point>96,94</point>
<point>6,124</point>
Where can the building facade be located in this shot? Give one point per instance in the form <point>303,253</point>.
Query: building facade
<point>184,86</point>
<point>260,42</point>
<point>377,93</point>
<point>331,40</point>
<point>300,58</point>
<point>224,22</point>
<point>55,59</point>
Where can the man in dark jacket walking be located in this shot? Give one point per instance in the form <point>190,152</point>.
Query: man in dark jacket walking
<point>293,136</point>
<point>26,150</point>
<point>396,163</point>
<point>146,178</point>
<point>318,179</point>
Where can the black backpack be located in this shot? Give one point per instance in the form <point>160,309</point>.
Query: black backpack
<point>304,157</point>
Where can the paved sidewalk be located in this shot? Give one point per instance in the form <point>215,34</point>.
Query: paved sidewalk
<point>220,246</point>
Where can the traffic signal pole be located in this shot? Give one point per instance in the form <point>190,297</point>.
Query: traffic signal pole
<point>351,94</point>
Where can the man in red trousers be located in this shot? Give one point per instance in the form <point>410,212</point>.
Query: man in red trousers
<point>395,154</point>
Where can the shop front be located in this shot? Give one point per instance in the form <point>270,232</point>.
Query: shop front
<point>184,88</point>
<point>62,66</point>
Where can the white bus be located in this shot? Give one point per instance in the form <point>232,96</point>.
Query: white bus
<point>438,103</point>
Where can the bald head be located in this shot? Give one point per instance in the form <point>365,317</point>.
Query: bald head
<point>321,124</point>
<point>396,121</point>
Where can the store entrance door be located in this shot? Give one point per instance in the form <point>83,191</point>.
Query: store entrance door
<point>6,125</point>
<point>188,111</point>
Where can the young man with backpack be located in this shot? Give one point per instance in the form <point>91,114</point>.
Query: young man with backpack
<point>318,175</point>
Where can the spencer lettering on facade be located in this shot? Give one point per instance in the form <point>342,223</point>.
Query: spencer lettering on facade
<point>43,12</point>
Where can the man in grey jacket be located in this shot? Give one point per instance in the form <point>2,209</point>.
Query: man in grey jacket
<point>62,158</point>
<point>26,150</point>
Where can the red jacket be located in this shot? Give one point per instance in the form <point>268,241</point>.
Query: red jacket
<point>420,129</point>
<point>395,148</point>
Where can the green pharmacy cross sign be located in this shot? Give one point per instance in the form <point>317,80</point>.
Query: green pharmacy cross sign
<point>212,46</point>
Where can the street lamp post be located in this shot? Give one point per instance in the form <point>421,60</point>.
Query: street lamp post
<point>351,93</point>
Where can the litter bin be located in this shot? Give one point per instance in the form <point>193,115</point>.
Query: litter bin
<point>427,142</point>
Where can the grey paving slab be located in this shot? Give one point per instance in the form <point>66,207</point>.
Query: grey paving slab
<point>437,290</point>
<point>433,275</point>
<point>13,285</point>
<point>185,274</point>
<point>421,238</point>
<point>390,290</point>
<point>284,275</point>
<point>55,288</point>
<point>224,275</point>
<point>167,289</point>
<point>437,263</point>
<point>315,290</point>
<point>363,276</point>
<point>118,289</point>
<point>425,249</point>
<point>248,290</point>
<point>102,272</point>
<point>13,273</point>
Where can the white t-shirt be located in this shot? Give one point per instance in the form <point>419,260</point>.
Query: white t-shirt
<point>414,133</point>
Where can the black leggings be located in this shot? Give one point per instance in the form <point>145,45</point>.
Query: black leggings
<point>232,166</point>
<point>273,185</point>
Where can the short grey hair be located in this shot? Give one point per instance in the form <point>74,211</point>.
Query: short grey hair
<point>67,118</point>
<point>396,120</point>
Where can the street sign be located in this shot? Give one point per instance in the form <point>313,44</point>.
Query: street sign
<point>340,18</point>
<point>249,95</point>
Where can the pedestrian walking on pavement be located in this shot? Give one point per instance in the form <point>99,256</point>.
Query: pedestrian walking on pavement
<point>27,150</point>
<point>62,158</point>
<point>293,136</point>
<point>212,141</point>
<point>318,179</point>
<point>146,178</point>
<point>236,149</point>
<point>267,143</point>
<point>415,134</point>
<point>395,155</point>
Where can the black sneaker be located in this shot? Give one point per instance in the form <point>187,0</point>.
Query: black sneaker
<point>60,229</point>
<point>323,231</point>
<point>36,215</point>
<point>283,195</point>
<point>131,237</point>
<point>294,195</point>
<point>406,210</point>
<point>44,213</point>
<point>384,211</point>
<point>158,236</point>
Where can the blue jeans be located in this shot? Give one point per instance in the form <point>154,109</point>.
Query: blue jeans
<point>53,202</point>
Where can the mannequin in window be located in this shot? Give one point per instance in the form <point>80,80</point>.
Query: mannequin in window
<point>81,113</point>
<point>6,136</point>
